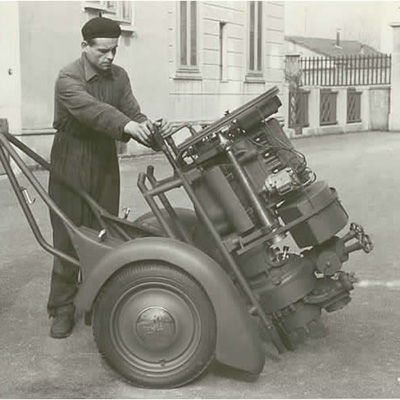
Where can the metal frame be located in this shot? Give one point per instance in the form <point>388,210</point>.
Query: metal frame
<point>178,179</point>
<point>108,221</point>
<point>110,225</point>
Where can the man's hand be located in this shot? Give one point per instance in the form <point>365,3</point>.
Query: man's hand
<point>140,132</point>
<point>166,127</point>
<point>143,132</point>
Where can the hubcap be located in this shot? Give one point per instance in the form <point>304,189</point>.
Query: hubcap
<point>156,328</point>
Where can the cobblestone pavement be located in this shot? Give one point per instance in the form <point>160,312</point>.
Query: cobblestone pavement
<point>359,358</point>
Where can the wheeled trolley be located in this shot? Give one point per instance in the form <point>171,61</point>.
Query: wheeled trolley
<point>175,289</point>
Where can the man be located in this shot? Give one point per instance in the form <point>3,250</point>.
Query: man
<point>94,107</point>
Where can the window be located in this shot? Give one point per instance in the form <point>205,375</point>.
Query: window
<point>223,52</point>
<point>120,11</point>
<point>255,38</point>
<point>188,46</point>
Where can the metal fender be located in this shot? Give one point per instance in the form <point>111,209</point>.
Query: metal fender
<point>238,342</point>
<point>186,216</point>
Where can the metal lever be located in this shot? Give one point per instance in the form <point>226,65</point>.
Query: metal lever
<point>28,199</point>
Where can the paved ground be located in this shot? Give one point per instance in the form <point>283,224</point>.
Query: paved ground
<point>360,357</point>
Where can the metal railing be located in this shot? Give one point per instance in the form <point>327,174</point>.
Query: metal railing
<point>352,70</point>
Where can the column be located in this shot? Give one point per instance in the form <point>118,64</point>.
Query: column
<point>394,112</point>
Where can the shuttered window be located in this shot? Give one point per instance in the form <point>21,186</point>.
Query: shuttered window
<point>255,52</point>
<point>188,46</point>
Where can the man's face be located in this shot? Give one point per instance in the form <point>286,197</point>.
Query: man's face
<point>101,52</point>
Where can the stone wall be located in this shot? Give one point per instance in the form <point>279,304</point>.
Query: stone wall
<point>374,111</point>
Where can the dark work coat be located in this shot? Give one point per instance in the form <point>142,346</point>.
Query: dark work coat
<point>91,111</point>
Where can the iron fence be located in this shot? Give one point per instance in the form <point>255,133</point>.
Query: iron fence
<point>346,70</point>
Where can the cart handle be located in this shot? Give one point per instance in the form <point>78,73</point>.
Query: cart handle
<point>96,209</point>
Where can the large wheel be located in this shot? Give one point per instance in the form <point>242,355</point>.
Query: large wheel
<point>155,325</point>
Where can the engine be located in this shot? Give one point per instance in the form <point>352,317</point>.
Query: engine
<point>258,193</point>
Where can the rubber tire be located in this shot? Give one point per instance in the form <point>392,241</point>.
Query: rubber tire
<point>166,280</point>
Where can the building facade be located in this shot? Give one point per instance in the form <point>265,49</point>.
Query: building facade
<point>336,86</point>
<point>188,61</point>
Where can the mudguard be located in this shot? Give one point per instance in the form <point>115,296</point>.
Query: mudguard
<point>186,216</point>
<point>238,342</point>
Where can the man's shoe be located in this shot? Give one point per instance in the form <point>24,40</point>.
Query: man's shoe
<point>62,325</point>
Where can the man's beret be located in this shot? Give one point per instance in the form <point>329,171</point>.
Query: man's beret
<point>100,27</point>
